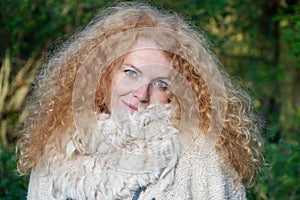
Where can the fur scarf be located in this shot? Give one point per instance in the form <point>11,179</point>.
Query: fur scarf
<point>122,153</point>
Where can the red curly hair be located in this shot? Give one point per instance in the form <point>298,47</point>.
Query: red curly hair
<point>50,122</point>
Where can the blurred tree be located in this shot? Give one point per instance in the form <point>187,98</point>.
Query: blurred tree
<point>290,62</point>
<point>29,30</point>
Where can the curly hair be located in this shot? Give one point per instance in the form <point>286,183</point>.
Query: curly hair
<point>50,121</point>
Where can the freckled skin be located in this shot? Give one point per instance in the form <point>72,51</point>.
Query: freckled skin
<point>141,80</point>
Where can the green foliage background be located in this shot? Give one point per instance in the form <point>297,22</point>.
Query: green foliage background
<point>257,41</point>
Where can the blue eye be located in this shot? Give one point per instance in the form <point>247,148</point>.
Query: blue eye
<point>160,84</point>
<point>130,72</point>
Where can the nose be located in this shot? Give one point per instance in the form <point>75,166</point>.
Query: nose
<point>142,93</point>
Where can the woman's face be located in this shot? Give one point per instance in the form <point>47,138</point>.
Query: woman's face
<point>141,80</point>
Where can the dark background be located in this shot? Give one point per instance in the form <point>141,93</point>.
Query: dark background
<point>257,41</point>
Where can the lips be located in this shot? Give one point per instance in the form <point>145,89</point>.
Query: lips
<point>131,107</point>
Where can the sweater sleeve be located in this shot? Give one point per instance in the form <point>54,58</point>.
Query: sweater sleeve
<point>209,181</point>
<point>37,186</point>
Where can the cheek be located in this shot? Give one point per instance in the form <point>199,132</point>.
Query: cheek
<point>160,97</point>
<point>122,87</point>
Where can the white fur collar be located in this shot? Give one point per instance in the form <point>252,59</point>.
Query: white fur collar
<point>124,152</point>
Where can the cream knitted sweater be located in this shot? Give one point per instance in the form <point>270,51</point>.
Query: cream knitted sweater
<point>122,155</point>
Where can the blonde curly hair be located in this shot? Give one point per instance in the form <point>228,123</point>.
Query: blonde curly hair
<point>50,122</point>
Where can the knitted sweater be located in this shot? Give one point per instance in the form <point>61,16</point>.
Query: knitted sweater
<point>138,157</point>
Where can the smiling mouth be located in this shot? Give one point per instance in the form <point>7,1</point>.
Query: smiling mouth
<point>132,108</point>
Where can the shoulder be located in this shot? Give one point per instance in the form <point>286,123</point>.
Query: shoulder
<point>211,176</point>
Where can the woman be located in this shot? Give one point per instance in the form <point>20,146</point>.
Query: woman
<point>136,107</point>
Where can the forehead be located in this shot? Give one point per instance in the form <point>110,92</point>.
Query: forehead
<point>146,52</point>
